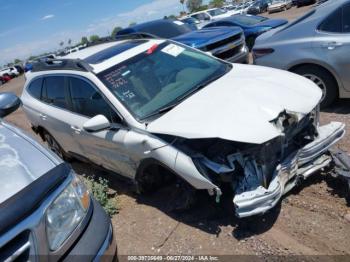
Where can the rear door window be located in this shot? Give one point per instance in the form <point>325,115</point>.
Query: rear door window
<point>346,18</point>
<point>87,101</point>
<point>54,91</point>
<point>333,23</point>
<point>35,88</point>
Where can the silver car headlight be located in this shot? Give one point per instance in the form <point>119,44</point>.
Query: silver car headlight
<point>66,212</point>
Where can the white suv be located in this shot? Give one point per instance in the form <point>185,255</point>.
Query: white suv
<point>153,110</point>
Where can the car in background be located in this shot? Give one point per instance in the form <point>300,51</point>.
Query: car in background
<point>279,5</point>
<point>191,22</point>
<point>158,112</point>
<point>45,209</point>
<point>211,14</point>
<point>9,71</point>
<point>252,26</point>
<point>259,6</point>
<point>225,43</point>
<point>28,66</point>
<point>4,79</point>
<point>316,46</point>
<point>300,3</point>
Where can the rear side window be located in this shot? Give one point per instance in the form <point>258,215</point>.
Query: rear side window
<point>35,87</point>
<point>87,101</point>
<point>54,91</point>
<point>333,23</point>
<point>346,18</point>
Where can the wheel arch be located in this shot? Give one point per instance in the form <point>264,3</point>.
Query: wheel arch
<point>332,72</point>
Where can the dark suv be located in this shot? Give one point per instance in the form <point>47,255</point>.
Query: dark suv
<point>258,7</point>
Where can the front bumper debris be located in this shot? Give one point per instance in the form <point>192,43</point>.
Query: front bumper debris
<point>297,167</point>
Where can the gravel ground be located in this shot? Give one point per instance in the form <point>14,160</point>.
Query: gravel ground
<point>310,223</point>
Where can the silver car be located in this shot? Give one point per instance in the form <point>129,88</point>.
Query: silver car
<point>46,213</point>
<point>157,111</point>
<point>317,46</point>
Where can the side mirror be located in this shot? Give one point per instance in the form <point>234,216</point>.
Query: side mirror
<point>9,103</point>
<point>97,123</point>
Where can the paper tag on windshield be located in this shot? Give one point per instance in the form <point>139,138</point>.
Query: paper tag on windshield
<point>178,22</point>
<point>173,50</point>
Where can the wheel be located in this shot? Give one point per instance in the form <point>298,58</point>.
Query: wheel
<point>54,146</point>
<point>323,79</point>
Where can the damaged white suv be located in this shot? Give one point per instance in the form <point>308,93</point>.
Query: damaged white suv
<point>150,108</point>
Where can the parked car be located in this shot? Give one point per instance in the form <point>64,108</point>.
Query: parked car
<point>45,210</point>
<point>252,26</point>
<point>317,46</point>
<point>28,66</point>
<point>4,79</point>
<point>259,6</point>
<point>225,43</point>
<point>10,71</point>
<point>211,14</point>
<point>279,5</point>
<point>300,3</point>
<point>156,111</point>
<point>191,22</point>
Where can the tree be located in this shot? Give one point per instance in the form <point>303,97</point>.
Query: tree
<point>69,41</point>
<point>94,38</point>
<point>61,43</point>
<point>194,5</point>
<point>217,3</point>
<point>115,31</point>
<point>17,61</point>
<point>132,24</point>
<point>84,40</point>
<point>182,2</point>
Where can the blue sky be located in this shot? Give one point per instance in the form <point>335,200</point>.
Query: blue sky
<point>30,27</point>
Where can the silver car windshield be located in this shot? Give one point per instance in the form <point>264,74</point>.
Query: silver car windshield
<point>160,77</point>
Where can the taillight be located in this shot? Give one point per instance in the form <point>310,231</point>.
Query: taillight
<point>260,52</point>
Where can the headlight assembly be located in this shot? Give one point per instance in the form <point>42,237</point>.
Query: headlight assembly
<point>66,212</point>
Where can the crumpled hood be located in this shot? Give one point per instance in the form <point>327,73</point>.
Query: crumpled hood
<point>240,105</point>
<point>206,36</point>
<point>21,162</point>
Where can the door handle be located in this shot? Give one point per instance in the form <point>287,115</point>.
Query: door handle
<point>42,116</point>
<point>332,45</point>
<point>76,129</point>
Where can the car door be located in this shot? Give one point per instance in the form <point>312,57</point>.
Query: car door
<point>333,43</point>
<point>53,112</point>
<point>106,147</point>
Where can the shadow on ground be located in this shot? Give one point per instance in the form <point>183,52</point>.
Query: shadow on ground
<point>342,106</point>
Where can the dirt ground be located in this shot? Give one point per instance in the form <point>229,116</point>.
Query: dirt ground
<point>310,222</point>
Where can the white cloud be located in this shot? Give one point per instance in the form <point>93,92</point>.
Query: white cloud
<point>47,17</point>
<point>154,10</point>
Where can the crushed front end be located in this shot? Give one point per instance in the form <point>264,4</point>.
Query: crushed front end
<point>261,174</point>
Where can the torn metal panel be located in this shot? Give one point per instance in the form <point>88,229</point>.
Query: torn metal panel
<point>253,198</point>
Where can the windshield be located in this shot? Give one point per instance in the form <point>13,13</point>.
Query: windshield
<point>248,20</point>
<point>216,12</point>
<point>159,77</point>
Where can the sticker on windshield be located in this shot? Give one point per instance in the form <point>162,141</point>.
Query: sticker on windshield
<point>178,22</point>
<point>173,50</point>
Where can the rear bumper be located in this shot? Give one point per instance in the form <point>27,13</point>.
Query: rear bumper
<point>296,167</point>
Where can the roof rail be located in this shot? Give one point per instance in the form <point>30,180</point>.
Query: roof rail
<point>62,64</point>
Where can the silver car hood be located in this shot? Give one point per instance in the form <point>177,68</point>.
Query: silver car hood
<point>22,161</point>
<point>240,105</point>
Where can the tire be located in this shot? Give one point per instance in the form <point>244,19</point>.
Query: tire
<point>323,79</point>
<point>54,146</point>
